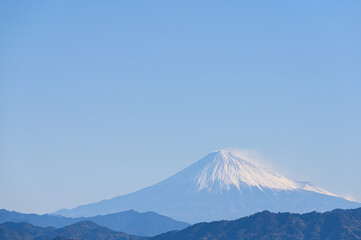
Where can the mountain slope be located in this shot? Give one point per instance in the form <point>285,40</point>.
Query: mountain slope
<point>89,231</point>
<point>222,185</point>
<point>130,222</point>
<point>140,224</point>
<point>334,225</point>
<point>81,230</point>
<point>22,231</point>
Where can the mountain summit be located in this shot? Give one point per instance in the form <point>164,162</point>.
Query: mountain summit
<point>225,169</point>
<point>222,185</point>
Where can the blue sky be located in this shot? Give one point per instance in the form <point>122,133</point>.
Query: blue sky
<point>102,98</point>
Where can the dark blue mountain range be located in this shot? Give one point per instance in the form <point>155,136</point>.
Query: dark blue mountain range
<point>334,225</point>
<point>130,222</point>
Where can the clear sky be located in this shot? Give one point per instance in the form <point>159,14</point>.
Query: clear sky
<point>102,98</point>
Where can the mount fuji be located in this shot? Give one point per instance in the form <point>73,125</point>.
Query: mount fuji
<point>223,185</point>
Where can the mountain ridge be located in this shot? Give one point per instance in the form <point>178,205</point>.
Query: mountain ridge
<point>80,230</point>
<point>338,224</point>
<point>333,225</point>
<point>130,222</point>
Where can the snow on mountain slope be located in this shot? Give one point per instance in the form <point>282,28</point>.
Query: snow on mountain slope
<point>310,187</point>
<point>231,168</point>
<point>222,185</point>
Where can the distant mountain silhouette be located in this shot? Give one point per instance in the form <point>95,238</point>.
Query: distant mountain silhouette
<point>22,231</point>
<point>81,230</point>
<point>334,225</point>
<point>89,231</point>
<point>130,222</point>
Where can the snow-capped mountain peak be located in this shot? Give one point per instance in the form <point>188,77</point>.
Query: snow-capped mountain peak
<point>226,169</point>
